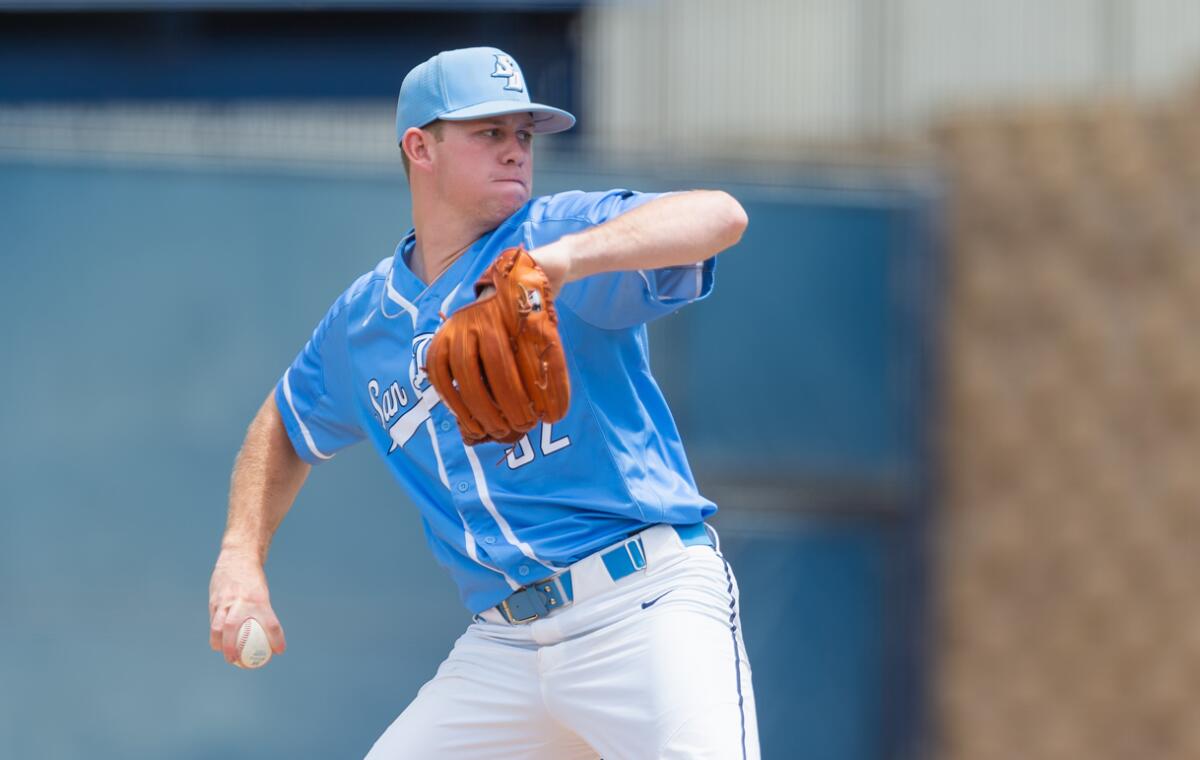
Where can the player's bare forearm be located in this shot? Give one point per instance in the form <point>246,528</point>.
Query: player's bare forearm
<point>674,230</point>
<point>266,478</point>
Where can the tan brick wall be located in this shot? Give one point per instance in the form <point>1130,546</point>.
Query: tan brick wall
<point>1069,615</point>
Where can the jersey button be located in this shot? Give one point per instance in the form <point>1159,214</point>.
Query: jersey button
<point>523,570</point>
<point>445,425</point>
<point>490,540</point>
<point>462,486</point>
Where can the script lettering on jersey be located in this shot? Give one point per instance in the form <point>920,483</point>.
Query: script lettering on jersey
<point>389,402</point>
<point>522,454</point>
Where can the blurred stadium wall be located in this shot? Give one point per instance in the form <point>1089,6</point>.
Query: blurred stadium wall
<point>1018,182</point>
<point>1068,624</point>
<point>774,78</point>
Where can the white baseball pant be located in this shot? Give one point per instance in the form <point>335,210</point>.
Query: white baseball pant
<point>650,666</point>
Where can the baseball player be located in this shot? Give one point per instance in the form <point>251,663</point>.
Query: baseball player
<point>498,364</point>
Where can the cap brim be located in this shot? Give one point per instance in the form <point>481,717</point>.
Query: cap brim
<point>546,120</point>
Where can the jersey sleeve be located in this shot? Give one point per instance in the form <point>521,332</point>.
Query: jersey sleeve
<point>617,300</point>
<point>314,395</point>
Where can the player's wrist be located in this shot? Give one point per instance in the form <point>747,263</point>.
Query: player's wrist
<point>234,549</point>
<point>555,261</point>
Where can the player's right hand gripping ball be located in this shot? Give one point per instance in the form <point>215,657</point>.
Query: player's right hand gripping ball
<point>498,363</point>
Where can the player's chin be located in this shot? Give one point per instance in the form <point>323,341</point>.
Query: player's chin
<point>511,189</point>
<point>506,202</point>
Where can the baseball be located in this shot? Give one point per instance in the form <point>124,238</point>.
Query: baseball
<point>253,649</point>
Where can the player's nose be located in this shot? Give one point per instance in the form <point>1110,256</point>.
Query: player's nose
<point>514,152</point>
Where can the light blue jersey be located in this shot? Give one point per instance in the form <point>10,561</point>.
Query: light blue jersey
<point>501,517</point>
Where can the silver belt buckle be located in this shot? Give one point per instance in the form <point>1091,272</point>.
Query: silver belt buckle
<point>514,619</point>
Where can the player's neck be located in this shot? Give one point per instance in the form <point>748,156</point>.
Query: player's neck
<point>441,239</point>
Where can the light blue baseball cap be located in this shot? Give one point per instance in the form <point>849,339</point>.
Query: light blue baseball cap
<point>471,83</point>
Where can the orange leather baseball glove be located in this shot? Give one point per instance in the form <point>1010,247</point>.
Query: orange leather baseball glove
<point>498,363</point>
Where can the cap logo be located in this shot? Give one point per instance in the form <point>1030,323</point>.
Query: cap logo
<point>506,67</point>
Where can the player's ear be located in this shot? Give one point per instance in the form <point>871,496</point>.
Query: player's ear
<point>415,145</point>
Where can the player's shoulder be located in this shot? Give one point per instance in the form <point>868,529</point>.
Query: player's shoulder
<point>363,292</point>
<point>576,204</point>
<point>370,281</point>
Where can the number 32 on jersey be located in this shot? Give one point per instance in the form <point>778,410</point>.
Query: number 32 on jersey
<point>522,452</point>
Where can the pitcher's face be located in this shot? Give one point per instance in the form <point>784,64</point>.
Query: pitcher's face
<point>485,166</point>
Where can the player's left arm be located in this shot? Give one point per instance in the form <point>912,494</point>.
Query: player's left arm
<point>671,231</point>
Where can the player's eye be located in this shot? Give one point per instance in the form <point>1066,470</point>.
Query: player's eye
<point>524,136</point>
